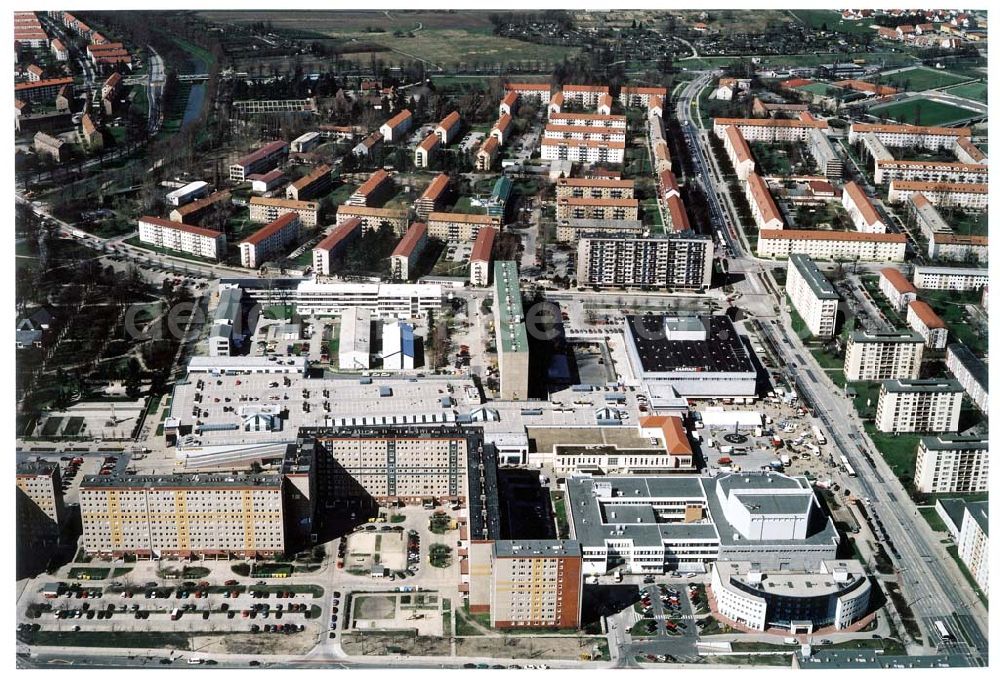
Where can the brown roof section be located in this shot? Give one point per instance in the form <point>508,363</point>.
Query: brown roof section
<point>608,202</point>
<point>862,86</point>
<point>262,152</point>
<point>898,281</point>
<point>281,222</point>
<point>532,86</point>
<point>587,116</point>
<point>771,122</point>
<point>656,101</point>
<point>668,181</point>
<point>37,70</point>
<point>658,91</point>
<point>586,143</point>
<point>661,150</point>
<point>942,186</point>
<point>198,205</point>
<point>317,174</point>
<point>450,120</point>
<point>502,123</point>
<point>557,99</point>
<point>762,196</point>
<point>373,182</point>
<point>363,211</point>
<point>460,218</point>
<point>429,142</point>
<point>510,98</point>
<point>483,248</point>
<point>339,234</point>
<point>853,236</point>
<point>956,239</point>
<point>436,187</point>
<point>372,139</point>
<point>739,144</point>
<point>927,315</point>
<point>398,119</point>
<point>51,82</point>
<point>585,88</point>
<point>413,235</point>
<point>862,127</point>
<point>678,215</point>
<point>864,205</point>
<point>950,165</point>
<point>177,226</point>
<point>605,100</point>
<point>966,144</point>
<point>674,434</point>
<point>579,129</point>
<point>488,146</point>
<point>88,125</point>
<point>281,202</point>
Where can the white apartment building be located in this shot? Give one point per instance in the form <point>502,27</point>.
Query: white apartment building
<point>596,187</point>
<point>396,127</point>
<point>765,212</point>
<point>918,405</point>
<point>576,132</point>
<point>931,138</point>
<point>385,300</point>
<point>877,356</point>
<point>739,152</point>
<point>509,104</point>
<point>201,242</point>
<point>502,129</point>
<point>958,248</point>
<point>182,515</point>
<point>270,241</point>
<point>770,130</point>
<point>942,194</point>
<point>540,91</point>
<point>449,127</point>
<point>266,210</point>
<point>583,151</point>
<point>966,151</point>
<point>588,120</point>
<point>835,245</point>
<point>812,295</point>
<point>922,318</point>
<point>896,288</point>
<point>952,464</point>
<point>681,261</point>
<point>454,227</point>
<point>932,172</point>
<point>424,153</point>
<point>481,257</point>
<point>326,252</point>
<point>597,208</point>
<point>408,251</point>
<point>584,95</point>
<point>971,372</point>
<point>861,210</point>
<point>947,278</point>
<point>974,542</point>
<point>374,218</point>
<point>826,156</point>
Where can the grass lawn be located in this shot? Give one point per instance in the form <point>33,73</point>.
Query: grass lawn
<point>866,390</point>
<point>933,519</point>
<point>919,79</point>
<point>827,361</point>
<point>899,451</point>
<point>969,223</point>
<point>339,195</point>
<point>279,312</point>
<point>816,18</point>
<point>977,91</point>
<point>920,111</point>
<point>463,627</point>
<point>950,306</point>
<point>168,639</point>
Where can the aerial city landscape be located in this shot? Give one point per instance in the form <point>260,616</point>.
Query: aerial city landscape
<point>507,339</point>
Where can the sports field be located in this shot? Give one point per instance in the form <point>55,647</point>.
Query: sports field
<point>919,79</point>
<point>920,111</point>
<point>976,91</point>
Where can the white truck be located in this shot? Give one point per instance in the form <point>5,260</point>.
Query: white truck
<point>785,460</point>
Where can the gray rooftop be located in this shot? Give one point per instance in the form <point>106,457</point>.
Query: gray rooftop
<point>922,386</point>
<point>36,468</point>
<point>721,351</point>
<point>820,286</point>
<point>955,442</point>
<point>979,511</point>
<point>525,548</point>
<point>510,325</point>
<point>186,480</point>
<point>886,336</point>
<point>980,372</point>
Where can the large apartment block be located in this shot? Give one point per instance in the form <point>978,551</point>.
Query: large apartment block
<point>942,194</point>
<point>202,514</point>
<point>901,136</point>
<point>194,212</point>
<point>584,151</point>
<point>262,160</point>
<point>952,464</point>
<point>584,95</point>
<point>578,133</point>
<point>948,278</point>
<point>922,318</point>
<point>876,356</point>
<point>536,584</point>
<point>431,198</point>
<point>408,250</point>
<point>396,127</point>
<point>971,372</point>
<point>454,227</point>
<point>313,185</point>
<point>738,151</point>
<point>769,130</point>
<point>201,242</point>
<point>861,210</point>
<point>270,241</point>
<point>266,210</point>
<point>374,218</point>
<point>597,208</point>
<point>572,229</point>
<point>482,257</point>
<point>588,120</point>
<point>812,295</point>
<point>966,151</point>
<point>835,245</point>
<point>376,189</point>
<point>539,90</point>
<point>682,261</point>
<point>974,542</point>
<point>40,508</point>
<point>919,170</point>
<point>918,405</point>
<point>765,212</point>
<point>511,333</point>
<point>327,251</point>
<point>391,463</point>
<point>599,188</point>
<point>825,155</point>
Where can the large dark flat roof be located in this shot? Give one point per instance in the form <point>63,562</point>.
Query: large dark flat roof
<point>721,352</point>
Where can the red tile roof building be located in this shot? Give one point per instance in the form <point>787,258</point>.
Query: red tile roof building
<point>325,253</point>
<point>407,251</point>
<point>270,241</point>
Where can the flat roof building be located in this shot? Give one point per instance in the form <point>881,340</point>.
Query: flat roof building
<point>971,372</point>
<point>671,261</point>
<point>187,193</point>
<point>201,242</point>
<point>40,509</point>
<point>355,339</point>
<point>918,405</point>
<point>950,278</point>
<point>952,464</point>
<point>881,355</point>
<point>511,334</point>
<point>812,295</point>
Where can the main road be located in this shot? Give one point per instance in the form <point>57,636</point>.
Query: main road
<point>929,578</point>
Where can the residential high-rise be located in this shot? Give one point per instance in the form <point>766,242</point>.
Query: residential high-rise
<point>922,318</point>
<point>40,508</point>
<point>511,334</point>
<point>812,295</point>
<point>208,515</point>
<point>918,405</point>
<point>952,464</point>
<point>676,260</point>
<point>971,373</point>
<point>974,542</point>
<point>536,584</point>
<point>876,356</point>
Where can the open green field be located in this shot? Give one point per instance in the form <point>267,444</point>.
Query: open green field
<point>820,88</point>
<point>899,451</point>
<point>920,111</point>
<point>977,91</point>
<point>919,79</point>
<point>817,18</point>
<point>440,38</point>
